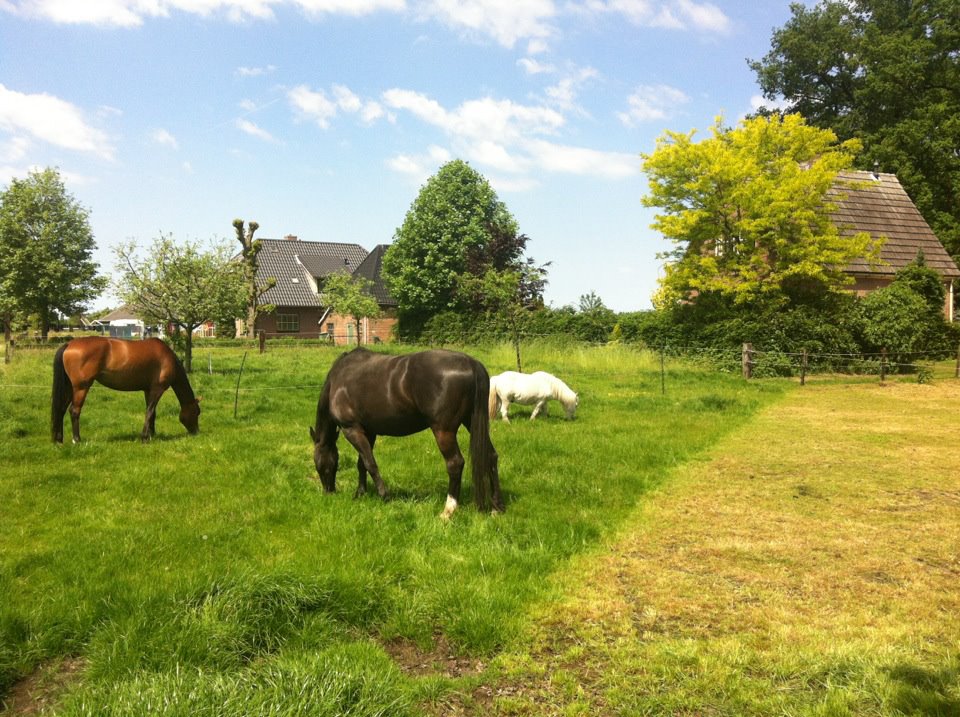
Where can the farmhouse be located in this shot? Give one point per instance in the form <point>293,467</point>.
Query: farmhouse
<point>875,202</point>
<point>299,269</point>
<point>122,323</point>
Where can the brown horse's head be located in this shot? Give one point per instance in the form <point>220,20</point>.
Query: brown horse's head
<point>326,458</point>
<point>190,417</point>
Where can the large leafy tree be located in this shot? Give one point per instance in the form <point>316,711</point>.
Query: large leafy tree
<point>886,72</point>
<point>349,296</point>
<point>180,284</point>
<point>457,226</point>
<point>46,250</point>
<point>746,209</point>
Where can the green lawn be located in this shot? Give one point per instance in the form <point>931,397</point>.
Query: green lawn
<point>210,574</point>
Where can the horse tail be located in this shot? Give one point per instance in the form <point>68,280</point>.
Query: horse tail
<point>483,457</point>
<point>493,400</point>
<point>62,394</point>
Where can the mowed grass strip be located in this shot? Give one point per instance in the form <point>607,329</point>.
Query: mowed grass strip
<point>811,566</point>
<point>209,574</point>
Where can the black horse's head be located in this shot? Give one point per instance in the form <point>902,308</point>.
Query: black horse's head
<point>190,417</point>
<point>326,459</point>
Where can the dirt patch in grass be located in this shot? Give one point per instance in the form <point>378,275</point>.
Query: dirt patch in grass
<point>807,566</point>
<point>33,694</point>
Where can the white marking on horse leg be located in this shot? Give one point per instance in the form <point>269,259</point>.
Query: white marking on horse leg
<point>449,508</point>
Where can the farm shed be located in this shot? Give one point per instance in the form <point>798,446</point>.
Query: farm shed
<point>299,268</point>
<point>122,324</point>
<point>875,202</point>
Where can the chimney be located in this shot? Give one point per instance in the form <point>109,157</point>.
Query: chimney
<point>346,262</point>
<point>291,237</point>
<point>876,170</point>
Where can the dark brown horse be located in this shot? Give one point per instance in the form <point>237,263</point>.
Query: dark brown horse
<point>368,395</point>
<point>149,366</point>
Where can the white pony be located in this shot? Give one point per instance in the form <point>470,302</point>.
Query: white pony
<point>527,388</point>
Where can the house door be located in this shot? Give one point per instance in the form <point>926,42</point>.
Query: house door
<point>349,333</point>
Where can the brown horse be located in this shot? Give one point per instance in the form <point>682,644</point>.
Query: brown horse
<point>149,366</point>
<point>368,395</point>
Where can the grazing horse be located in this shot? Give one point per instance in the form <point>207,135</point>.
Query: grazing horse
<point>526,388</point>
<point>367,394</point>
<point>149,366</point>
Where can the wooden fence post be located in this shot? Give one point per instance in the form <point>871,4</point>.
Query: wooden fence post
<point>663,372</point>
<point>957,375</point>
<point>803,368</point>
<point>883,365</point>
<point>8,352</point>
<point>746,361</point>
<point>263,341</point>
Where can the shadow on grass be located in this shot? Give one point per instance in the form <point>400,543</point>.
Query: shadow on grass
<point>925,691</point>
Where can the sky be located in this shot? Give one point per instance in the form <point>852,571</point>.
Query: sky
<point>324,118</point>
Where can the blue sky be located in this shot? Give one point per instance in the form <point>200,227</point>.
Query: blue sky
<point>323,118</point>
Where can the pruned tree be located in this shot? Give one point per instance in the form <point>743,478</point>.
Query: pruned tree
<point>250,249</point>
<point>349,296</point>
<point>46,251</point>
<point>179,284</point>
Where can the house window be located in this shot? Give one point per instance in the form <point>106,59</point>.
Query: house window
<point>288,323</point>
<point>330,329</point>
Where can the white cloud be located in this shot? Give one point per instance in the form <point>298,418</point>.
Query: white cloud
<point>564,93</point>
<point>320,108</point>
<point>667,14</point>
<point>349,7</point>
<point>583,161</point>
<point>187,167</point>
<point>163,137</point>
<point>132,13</point>
<point>255,71</point>
<point>14,149</point>
<point>419,167</point>
<point>534,67</point>
<point>315,106</point>
<point>507,137</point>
<point>652,103</point>
<point>52,120</point>
<point>255,131</point>
<point>506,21</point>
<point>758,102</point>
<point>537,46</point>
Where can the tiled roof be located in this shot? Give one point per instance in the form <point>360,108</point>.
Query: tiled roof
<point>122,314</point>
<point>880,206</point>
<point>370,269</point>
<point>289,260</point>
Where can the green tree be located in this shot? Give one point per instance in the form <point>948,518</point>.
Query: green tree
<point>455,221</point>
<point>886,72</point>
<point>179,284</point>
<point>349,296</point>
<point>747,210</point>
<point>46,250</point>
<point>250,248</point>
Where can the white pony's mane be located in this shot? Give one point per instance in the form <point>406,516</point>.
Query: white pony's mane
<point>561,391</point>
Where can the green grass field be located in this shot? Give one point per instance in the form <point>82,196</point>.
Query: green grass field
<point>211,575</point>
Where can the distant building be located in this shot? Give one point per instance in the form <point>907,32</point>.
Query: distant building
<point>299,268</point>
<point>877,203</point>
<point>122,324</point>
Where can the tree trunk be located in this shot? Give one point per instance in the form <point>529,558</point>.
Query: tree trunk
<point>252,317</point>
<point>7,331</point>
<point>44,325</point>
<point>188,350</point>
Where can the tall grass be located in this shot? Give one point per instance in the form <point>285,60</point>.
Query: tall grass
<point>210,574</point>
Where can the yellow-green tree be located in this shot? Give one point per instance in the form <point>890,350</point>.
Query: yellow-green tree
<point>747,209</point>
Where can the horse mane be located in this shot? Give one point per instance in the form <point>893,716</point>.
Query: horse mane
<point>561,391</point>
<point>181,384</point>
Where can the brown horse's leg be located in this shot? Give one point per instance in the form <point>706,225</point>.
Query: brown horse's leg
<point>358,439</point>
<point>152,397</point>
<point>362,469</point>
<point>79,396</point>
<point>447,443</point>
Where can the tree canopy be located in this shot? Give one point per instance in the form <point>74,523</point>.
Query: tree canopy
<point>179,284</point>
<point>886,72</point>
<point>456,226</point>
<point>46,250</point>
<point>746,208</point>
